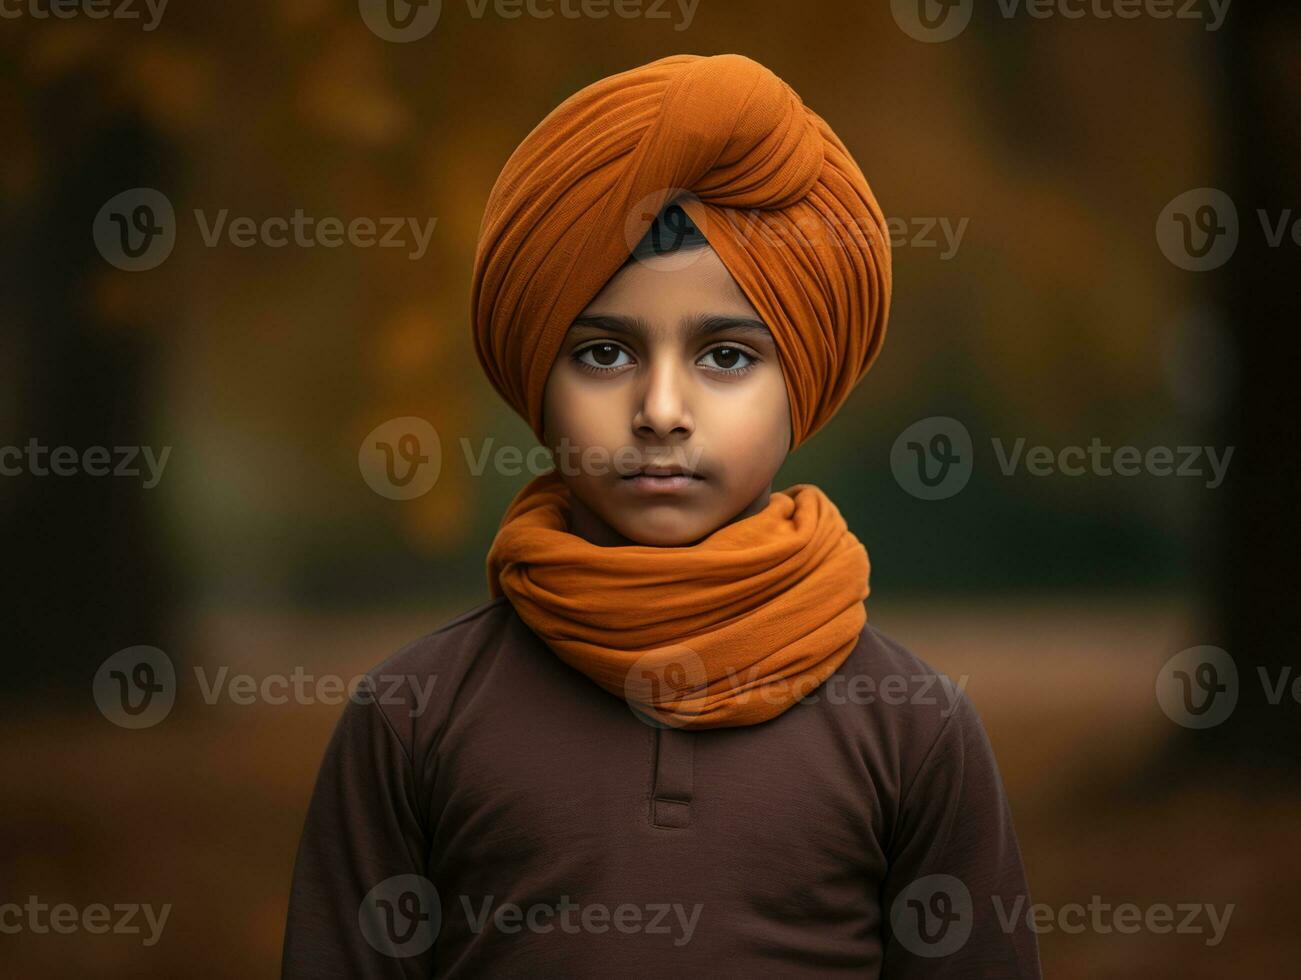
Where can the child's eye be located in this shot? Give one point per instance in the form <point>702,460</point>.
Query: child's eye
<point>604,356</point>
<point>730,359</point>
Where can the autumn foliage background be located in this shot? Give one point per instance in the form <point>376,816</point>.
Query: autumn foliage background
<point>1058,142</point>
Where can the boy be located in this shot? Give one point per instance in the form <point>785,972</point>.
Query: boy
<point>656,750</point>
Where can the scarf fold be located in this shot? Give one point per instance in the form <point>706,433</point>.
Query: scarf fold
<point>730,631</point>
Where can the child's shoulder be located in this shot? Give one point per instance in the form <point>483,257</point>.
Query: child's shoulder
<point>453,644</point>
<point>882,657</point>
<point>909,701</point>
<point>415,687</point>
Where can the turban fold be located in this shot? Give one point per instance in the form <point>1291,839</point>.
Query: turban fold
<point>772,188</point>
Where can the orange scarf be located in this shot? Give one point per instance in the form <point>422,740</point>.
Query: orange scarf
<point>730,631</point>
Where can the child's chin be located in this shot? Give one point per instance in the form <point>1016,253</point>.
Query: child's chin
<point>665,526</point>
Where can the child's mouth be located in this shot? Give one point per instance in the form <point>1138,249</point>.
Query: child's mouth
<point>666,482</point>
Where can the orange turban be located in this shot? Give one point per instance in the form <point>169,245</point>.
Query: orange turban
<point>764,179</point>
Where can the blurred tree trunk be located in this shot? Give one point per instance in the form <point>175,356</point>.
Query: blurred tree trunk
<point>85,576</point>
<point>1255,572</point>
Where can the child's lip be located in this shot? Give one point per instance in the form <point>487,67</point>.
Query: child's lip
<point>663,482</point>
<point>665,471</point>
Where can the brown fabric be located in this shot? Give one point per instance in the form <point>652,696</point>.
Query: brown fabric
<point>761,175</point>
<point>729,631</point>
<point>559,836</point>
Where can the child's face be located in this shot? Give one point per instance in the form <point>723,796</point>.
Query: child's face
<point>636,384</point>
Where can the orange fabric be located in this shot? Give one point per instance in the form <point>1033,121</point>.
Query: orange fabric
<point>732,630</point>
<point>765,179</point>
<point>738,627</point>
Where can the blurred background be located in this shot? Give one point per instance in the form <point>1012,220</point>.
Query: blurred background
<point>1096,235</point>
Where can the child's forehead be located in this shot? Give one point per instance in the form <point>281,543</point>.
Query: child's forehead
<point>659,290</point>
<point>696,325</point>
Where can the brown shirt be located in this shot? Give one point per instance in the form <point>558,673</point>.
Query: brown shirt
<point>484,810</point>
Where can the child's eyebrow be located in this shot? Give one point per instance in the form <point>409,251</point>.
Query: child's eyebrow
<point>698,325</point>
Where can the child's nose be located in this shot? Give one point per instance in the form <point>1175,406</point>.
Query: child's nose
<point>663,404</point>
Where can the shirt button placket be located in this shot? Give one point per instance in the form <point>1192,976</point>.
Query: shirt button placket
<point>674,778</point>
